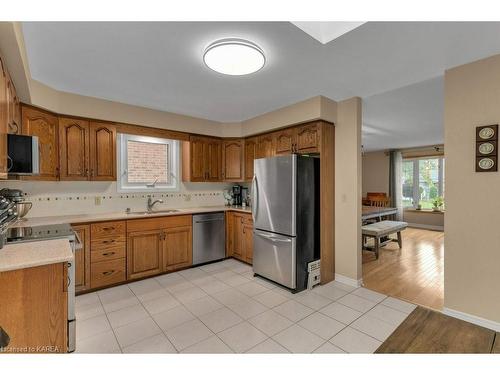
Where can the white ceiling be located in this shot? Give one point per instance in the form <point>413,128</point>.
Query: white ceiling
<point>325,32</point>
<point>159,64</point>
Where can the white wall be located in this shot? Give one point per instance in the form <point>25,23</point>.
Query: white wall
<point>375,172</point>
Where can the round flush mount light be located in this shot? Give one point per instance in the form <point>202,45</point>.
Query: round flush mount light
<point>235,57</point>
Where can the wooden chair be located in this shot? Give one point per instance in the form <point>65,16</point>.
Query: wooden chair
<point>380,201</point>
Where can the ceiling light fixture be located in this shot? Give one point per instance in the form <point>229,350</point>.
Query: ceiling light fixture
<point>235,57</point>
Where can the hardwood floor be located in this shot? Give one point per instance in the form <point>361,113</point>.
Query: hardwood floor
<point>427,331</point>
<point>414,273</point>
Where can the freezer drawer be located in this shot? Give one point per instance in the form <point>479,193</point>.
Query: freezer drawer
<point>274,257</point>
<point>209,241</point>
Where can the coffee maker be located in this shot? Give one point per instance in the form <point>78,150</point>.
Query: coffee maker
<point>237,195</point>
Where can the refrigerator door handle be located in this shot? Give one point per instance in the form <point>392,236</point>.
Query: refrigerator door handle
<point>254,198</point>
<point>273,238</point>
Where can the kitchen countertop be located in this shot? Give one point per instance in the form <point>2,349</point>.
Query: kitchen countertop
<point>89,218</point>
<point>32,254</point>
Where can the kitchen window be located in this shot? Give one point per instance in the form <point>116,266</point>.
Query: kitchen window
<point>147,164</point>
<point>423,181</point>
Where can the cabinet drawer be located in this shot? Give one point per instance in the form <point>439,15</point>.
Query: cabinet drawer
<point>139,225</point>
<point>107,229</point>
<point>107,273</point>
<point>247,219</point>
<point>107,243</point>
<point>110,253</point>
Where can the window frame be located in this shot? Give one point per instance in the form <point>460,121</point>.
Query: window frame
<point>123,186</point>
<point>416,178</point>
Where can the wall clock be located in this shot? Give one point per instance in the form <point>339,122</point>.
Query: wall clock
<point>486,148</point>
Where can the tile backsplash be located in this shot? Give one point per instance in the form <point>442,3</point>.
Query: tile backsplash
<point>73,198</point>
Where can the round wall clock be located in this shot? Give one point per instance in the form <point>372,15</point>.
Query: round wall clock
<point>486,148</point>
<point>486,133</point>
<point>486,163</point>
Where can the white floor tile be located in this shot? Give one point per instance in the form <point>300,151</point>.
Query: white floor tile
<point>398,304</point>
<point>213,287</point>
<point>357,303</point>
<point>251,288</point>
<point>174,286</point>
<point>192,273</point>
<point>242,337</point>
<point>92,326</point>
<point>268,347</point>
<point>330,291</point>
<point>147,289</point>
<point>88,310</point>
<point>127,315</point>
<point>369,294</point>
<point>190,294</point>
<point>298,340</point>
<point>246,308</point>
<point>387,314</point>
<point>341,313</point>
<point>328,348</point>
<point>157,305</point>
<point>230,297</point>
<point>236,280</point>
<point>173,317</point>
<point>136,331</point>
<point>154,344</point>
<point>203,280</point>
<point>270,322</point>
<point>241,268</point>
<point>223,275</point>
<point>213,267</point>
<point>353,341</point>
<point>86,299</point>
<point>264,282</point>
<point>188,334</point>
<point>313,300</point>
<point>338,284</point>
<point>100,343</point>
<point>169,279</point>
<point>321,325</point>
<point>220,320</point>
<point>117,298</point>
<point>212,345</point>
<point>293,310</point>
<point>374,327</point>
<point>203,305</point>
<point>271,298</point>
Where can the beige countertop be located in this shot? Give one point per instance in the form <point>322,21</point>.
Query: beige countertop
<point>89,218</point>
<point>32,254</point>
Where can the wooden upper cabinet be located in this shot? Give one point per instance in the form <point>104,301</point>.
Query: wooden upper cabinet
<point>178,248</point>
<point>44,125</point>
<point>13,109</point>
<point>232,160</point>
<point>266,146</point>
<point>144,253</point>
<point>250,154</point>
<point>202,159</point>
<point>102,151</point>
<point>308,138</point>
<point>74,149</point>
<point>285,141</point>
<point>3,121</point>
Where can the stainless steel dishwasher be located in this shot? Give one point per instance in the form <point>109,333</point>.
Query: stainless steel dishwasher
<point>209,242</point>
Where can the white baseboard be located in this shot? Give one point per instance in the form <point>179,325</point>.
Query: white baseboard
<point>439,228</point>
<point>347,280</point>
<point>472,319</point>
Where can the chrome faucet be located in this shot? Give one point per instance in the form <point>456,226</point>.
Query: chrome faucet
<point>151,203</point>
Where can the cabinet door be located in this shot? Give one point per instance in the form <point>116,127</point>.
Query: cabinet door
<point>82,258</point>
<point>232,160</point>
<point>45,126</point>
<point>144,253</point>
<point>308,138</point>
<point>102,152</point>
<point>266,146</point>
<point>178,248</point>
<point>285,141</point>
<point>214,159</point>
<point>229,233</point>
<point>238,251</point>
<point>197,160</point>
<point>250,153</point>
<point>74,149</point>
<point>3,122</point>
<point>248,242</point>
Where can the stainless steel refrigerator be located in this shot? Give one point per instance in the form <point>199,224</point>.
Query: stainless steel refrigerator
<point>285,208</point>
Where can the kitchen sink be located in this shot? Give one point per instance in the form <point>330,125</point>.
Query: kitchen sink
<point>150,212</point>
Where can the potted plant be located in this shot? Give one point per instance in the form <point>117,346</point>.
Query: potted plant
<point>437,204</point>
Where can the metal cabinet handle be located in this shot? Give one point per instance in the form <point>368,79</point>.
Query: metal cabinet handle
<point>108,241</point>
<point>273,238</point>
<point>108,228</point>
<point>108,254</point>
<point>106,273</point>
<point>254,197</point>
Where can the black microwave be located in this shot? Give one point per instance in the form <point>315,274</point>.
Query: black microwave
<point>22,155</point>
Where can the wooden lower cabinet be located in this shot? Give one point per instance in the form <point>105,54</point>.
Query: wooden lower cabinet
<point>144,253</point>
<point>248,241</point>
<point>178,248</point>
<point>240,236</point>
<point>107,273</point>
<point>82,258</point>
<point>34,308</point>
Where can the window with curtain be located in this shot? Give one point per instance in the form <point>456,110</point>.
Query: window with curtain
<point>423,181</point>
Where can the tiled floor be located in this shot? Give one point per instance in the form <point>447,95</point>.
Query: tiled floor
<point>222,308</point>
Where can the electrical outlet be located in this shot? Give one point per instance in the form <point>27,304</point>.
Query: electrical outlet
<point>98,201</point>
<point>187,197</point>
